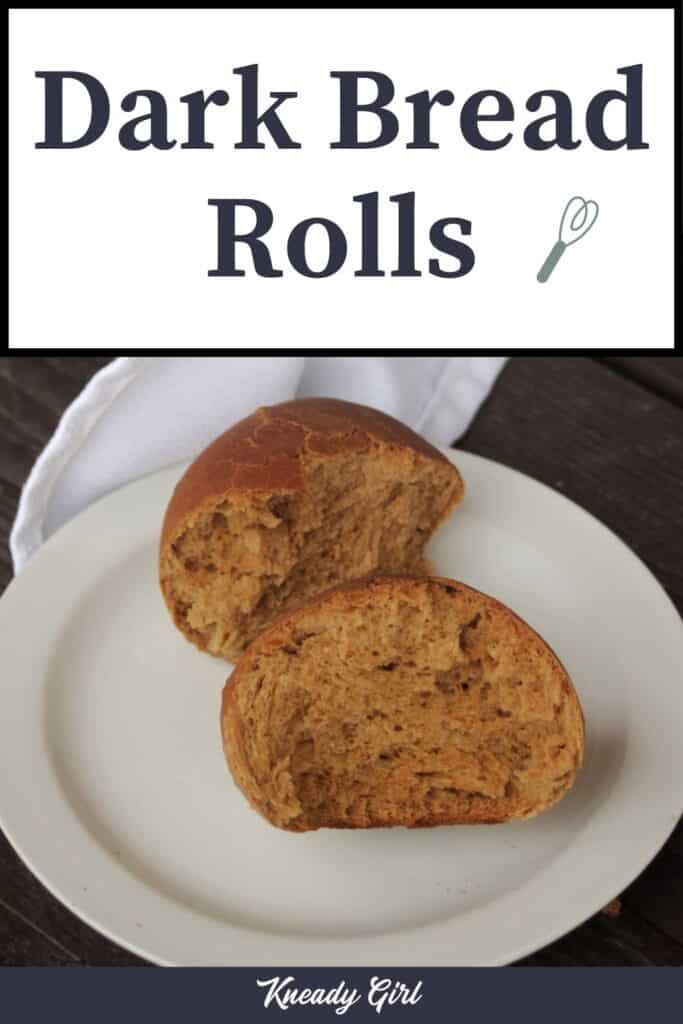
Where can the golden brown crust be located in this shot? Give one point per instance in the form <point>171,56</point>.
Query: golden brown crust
<point>372,592</point>
<point>289,500</point>
<point>262,452</point>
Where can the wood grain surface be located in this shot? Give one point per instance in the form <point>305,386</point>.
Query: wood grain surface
<point>607,433</point>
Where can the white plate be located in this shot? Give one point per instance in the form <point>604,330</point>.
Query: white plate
<point>114,791</point>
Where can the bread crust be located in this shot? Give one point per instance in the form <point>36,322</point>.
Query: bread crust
<point>263,457</point>
<point>371,590</point>
<point>262,452</point>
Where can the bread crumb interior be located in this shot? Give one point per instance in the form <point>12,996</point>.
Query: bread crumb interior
<point>424,711</point>
<point>255,555</point>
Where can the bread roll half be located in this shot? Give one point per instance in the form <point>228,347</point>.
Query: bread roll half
<point>401,701</point>
<point>290,501</point>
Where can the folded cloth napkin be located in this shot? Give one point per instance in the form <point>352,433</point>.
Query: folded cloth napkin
<point>139,414</point>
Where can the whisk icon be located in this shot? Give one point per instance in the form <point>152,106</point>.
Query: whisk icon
<point>578,218</point>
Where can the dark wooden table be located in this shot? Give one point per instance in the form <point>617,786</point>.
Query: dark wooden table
<point>608,433</point>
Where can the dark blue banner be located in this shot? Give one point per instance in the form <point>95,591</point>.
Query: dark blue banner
<point>467,995</point>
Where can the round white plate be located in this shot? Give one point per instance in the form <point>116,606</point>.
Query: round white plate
<point>114,791</point>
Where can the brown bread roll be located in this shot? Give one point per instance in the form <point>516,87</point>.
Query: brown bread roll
<point>400,701</point>
<point>291,500</point>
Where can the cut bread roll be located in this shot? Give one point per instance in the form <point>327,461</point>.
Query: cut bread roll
<point>400,701</point>
<point>290,501</point>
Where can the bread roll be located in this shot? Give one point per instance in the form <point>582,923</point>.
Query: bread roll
<point>400,701</point>
<point>288,502</point>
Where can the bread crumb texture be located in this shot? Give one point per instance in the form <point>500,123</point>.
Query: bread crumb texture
<point>401,701</point>
<point>290,501</point>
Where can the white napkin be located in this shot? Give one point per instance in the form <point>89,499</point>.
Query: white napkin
<point>138,415</point>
